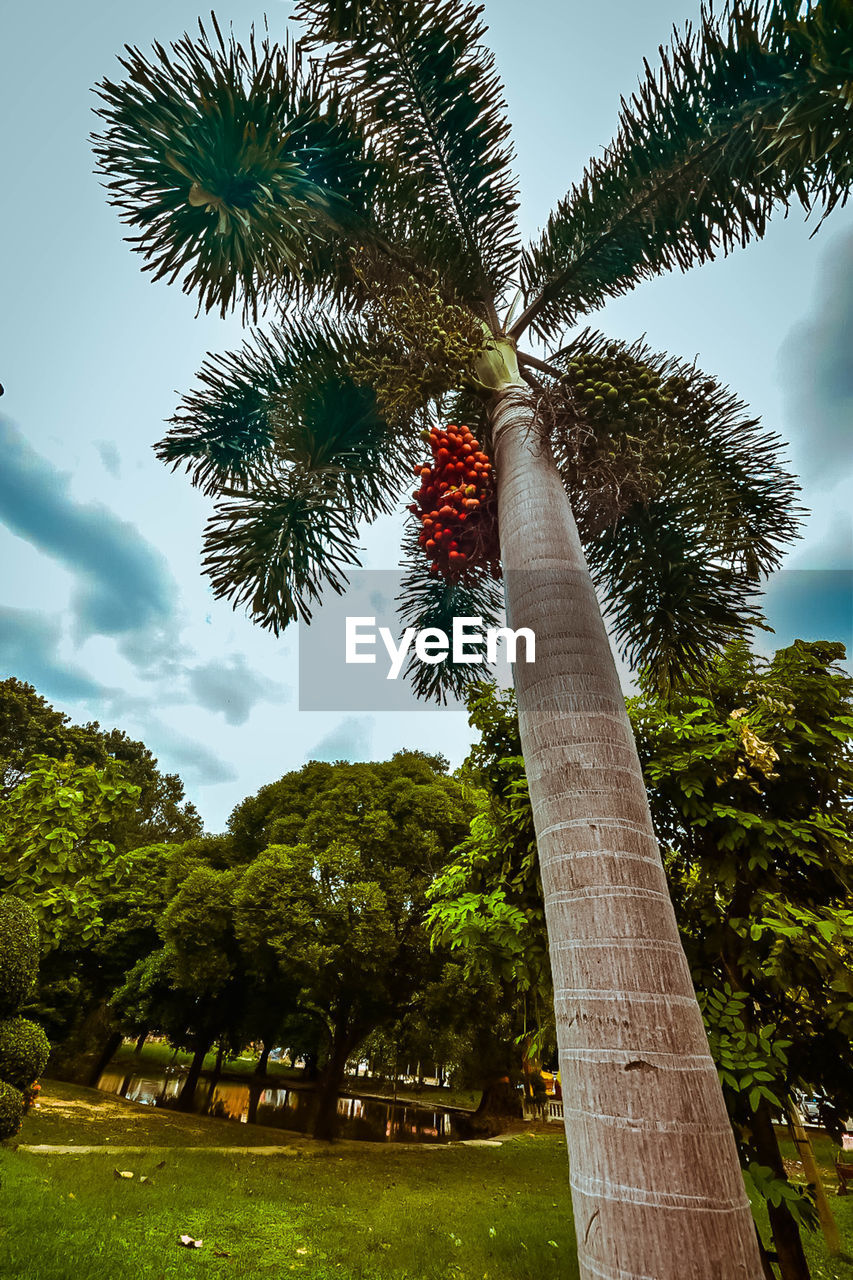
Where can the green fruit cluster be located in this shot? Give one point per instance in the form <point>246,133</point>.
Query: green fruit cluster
<point>419,344</point>
<point>617,386</point>
<point>24,1047</point>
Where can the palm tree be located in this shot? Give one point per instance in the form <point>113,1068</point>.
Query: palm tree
<point>358,185</point>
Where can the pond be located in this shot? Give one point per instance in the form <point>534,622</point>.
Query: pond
<point>281,1108</point>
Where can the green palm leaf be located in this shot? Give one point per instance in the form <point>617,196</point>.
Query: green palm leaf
<point>235,168</point>
<point>707,510</point>
<point>434,108</point>
<point>742,116</point>
<point>273,547</point>
<point>287,399</point>
<point>427,600</point>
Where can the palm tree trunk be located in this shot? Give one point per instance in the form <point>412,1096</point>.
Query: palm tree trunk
<point>656,1183</point>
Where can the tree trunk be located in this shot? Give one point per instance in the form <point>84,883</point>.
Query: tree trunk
<point>329,1089</point>
<point>790,1257</point>
<point>187,1095</point>
<point>828,1225</point>
<point>104,1058</point>
<point>656,1182</point>
<point>220,1057</point>
<point>140,1043</point>
<point>500,1102</point>
<point>261,1067</point>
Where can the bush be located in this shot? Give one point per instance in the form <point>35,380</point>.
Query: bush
<point>19,954</point>
<point>11,1111</point>
<point>24,1050</point>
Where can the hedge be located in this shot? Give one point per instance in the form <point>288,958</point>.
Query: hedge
<point>11,1110</point>
<point>19,954</point>
<point>24,1051</point>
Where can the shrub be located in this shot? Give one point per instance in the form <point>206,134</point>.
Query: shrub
<point>24,1050</point>
<point>19,954</point>
<point>11,1111</point>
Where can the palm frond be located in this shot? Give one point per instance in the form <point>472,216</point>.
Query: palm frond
<point>297,454</point>
<point>287,399</point>
<point>428,600</point>
<point>433,106</point>
<point>236,167</point>
<point>744,114</point>
<point>670,605</point>
<point>274,547</point>
<point>703,506</point>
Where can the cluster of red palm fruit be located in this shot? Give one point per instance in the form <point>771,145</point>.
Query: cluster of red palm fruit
<point>456,506</point>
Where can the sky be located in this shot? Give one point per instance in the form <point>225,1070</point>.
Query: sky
<point>102,603</point>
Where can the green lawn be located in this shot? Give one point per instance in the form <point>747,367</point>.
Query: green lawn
<point>357,1211</point>
<point>362,1211</point>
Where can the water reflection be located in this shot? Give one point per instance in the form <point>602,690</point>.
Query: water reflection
<point>360,1118</point>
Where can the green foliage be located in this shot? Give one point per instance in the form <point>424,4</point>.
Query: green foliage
<point>429,600</point>
<point>418,345</point>
<point>24,1051</point>
<point>745,113</point>
<point>337,897</point>
<point>427,91</point>
<point>287,398</point>
<point>680,499</point>
<point>30,727</point>
<point>751,1063</point>
<point>779,1191</point>
<point>366,176</point>
<point>52,850</point>
<point>11,1110</point>
<point>296,453</point>
<point>750,780</point>
<point>19,953</point>
<point>486,906</point>
<point>228,166</point>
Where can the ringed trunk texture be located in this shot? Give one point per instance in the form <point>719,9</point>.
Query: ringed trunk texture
<point>656,1183</point>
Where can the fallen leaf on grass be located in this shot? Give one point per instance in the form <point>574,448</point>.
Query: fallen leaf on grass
<point>122,1173</point>
<point>161,1165</point>
<point>189,1243</point>
<point>300,1251</point>
<point>145,1178</point>
<point>220,1253</point>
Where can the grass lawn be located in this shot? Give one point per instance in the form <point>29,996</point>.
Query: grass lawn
<point>355,1210</point>
<point>362,1211</point>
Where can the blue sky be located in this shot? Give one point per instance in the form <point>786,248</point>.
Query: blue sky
<point>102,604</point>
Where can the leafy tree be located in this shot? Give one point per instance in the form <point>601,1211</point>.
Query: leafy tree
<point>53,853</point>
<point>368,195</point>
<point>750,781</point>
<point>341,913</point>
<point>30,727</point>
<point>203,962</point>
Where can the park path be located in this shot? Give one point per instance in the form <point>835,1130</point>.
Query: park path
<point>52,1149</point>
